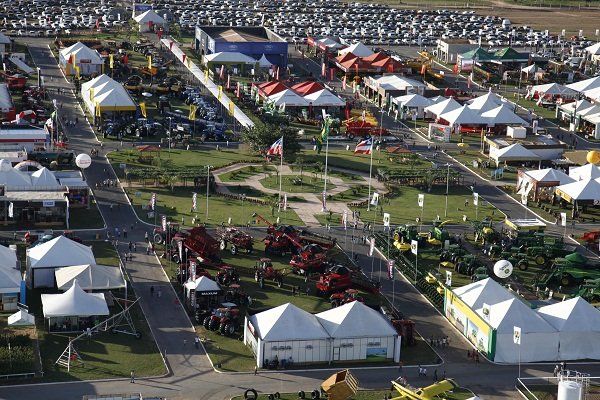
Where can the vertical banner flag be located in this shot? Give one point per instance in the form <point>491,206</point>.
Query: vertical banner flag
<point>344,83</point>
<point>206,76</point>
<point>517,335</point>
<point>331,74</point>
<point>163,221</point>
<point>153,201</point>
<point>449,278</point>
<point>345,219</point>
<point>143,110</point>
<point>183,57</point>
<point>238,90</point>
<point>371,246</point>
<point>390,265</point>
<point>220,93</point>
<point>228,81</point>
<point>10,210</point>
<point>323,70</point>
<point>375,199</point>
<point>285,202</point>
<point>98,109</point>
<point>475,199</point>
<point>386,220</point>
<point>414,247</point>
<point>193,110</point>
<point>180,249</point>
<point>111,61</point>
<point>194,201</point>
<point>231,108</point>
<point>192,269</point>
<point>126,59</point>
<point>421,200</point>
<point>222,72</point>
<point>149,62</point>
<point>563,219</point>
<point>324,201</point>
<point>524,199</point>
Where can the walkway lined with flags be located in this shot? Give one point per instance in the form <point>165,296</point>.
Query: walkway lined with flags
<point>204,79</point>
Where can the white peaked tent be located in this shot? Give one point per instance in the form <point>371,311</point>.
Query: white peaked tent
<point>149,18</point>
<point>201,287</point>
<point>437,99</point>
<point>485,102</point>
<point>442,107</point>
<point>106,93</point>
<point>324,98</point>
<point>514,152</point>
<point>585,172</point>
<point>373,336</point>
<point>486,291</point>
<point>229,57</point>
<point>580,105</point>
<point>44,177</point>
<point>539,340</point>
<point>10,280</point>
<point>412,101</point>
<point>358,49</point>
<point>532,69</point>
<point>594,49</point>
<point>8,258</point>
<point>553,89</point>
<point>21,318</point>
<point>90,277</point>
<point>463,116</point>
<point>502,115</point>
<point>286,331</point>
<point>587,84</point>
<point>588,190</point>
<point>289,98</point>
<point>58,252</point>
<point>578,326</point>
<point>263,62</point>
<point>89,61</point>
<point>11,177</point>
<point>548,175</point>
<point>74,303</point>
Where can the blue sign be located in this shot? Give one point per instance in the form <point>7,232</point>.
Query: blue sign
<point>141,8</point>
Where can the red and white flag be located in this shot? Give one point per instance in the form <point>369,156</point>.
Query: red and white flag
<point>331,74</point>
<point>183,57</point>
<point>276,72</point>
<point>194,201</point>
<point>364,147</point>
<point>323,70</point>
<point>153,201</point>
<point>222,72</point>
<point>276,148</point>
<point>237,90</point>
<point>228,81</point>
<point>344,83</point>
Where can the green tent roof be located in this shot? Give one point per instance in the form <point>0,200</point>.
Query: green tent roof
<point>478,53</point>
<point>508,53</point>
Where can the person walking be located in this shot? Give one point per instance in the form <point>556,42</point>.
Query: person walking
<point>146,237</point>
<point>197,342</point>
<point>435,377</point>
<point>255,370</point>
<point>132,376</point>
<point>125,232</point>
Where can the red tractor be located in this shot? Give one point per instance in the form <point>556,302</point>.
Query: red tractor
<point>238,239</point>
<point>264,270</point>
<point>359,128</point>
<point>277,241</point>
<point>225,319</point>
<point>339,278</point>
<point>173,231</point>
<point>234,294</point>
<point>347,296</point>
<point>591,237</point>
<point>310,258</point>
<point>227,275</point>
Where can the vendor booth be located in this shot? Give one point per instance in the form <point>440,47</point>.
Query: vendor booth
<point>585,172</point>
<point>201,290</point>
<point>90,277</point>
<point>514,152</point>
<point>542,180</point>
<point>73,310</point>
<point>441,107</point>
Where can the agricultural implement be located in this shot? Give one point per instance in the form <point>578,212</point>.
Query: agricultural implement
<point>345,297</point>
<point>339,278</point>
<point>173,232</point>
<point>309,258</point>
<point>340,386</point>
<point>237,240</point>
<point>227,275</point>
<point>264,270</point>
<point>226,320</point>
<point>570,270</point>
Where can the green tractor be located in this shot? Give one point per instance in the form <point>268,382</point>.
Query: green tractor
<point>590,290</point>
<point>517,257</point>
<point>570,270</point>
<point>552,248</point>
<point>485,232</point>
<point>453,253</point>
<point>438,234</point>
<point>406,233</point>
<point>470,265</point>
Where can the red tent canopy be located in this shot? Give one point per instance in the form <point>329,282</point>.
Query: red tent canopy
<point>306,88</point>
<point>270,88</point>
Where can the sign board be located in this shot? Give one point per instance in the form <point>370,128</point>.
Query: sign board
<point>141,8</point>
<point>122,165</point>
<point>48,203</point>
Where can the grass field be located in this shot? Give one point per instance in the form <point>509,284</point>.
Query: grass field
<point>240,175</point>
<point>311,183</point>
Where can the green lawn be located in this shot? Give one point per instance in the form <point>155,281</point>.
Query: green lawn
<point>347,160</point>
<point>82,218</point>
<point>106,355</point>
<point>240,175</point>
<point>176,205</point>
<point>467,157</point>
<point>311,183</point>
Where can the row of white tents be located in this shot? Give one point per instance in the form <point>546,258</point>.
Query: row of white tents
<point>488,109</point>
<point>353,331</point>
<point>322,98</point>
<point>104,94</point>
<point>580,184</point>
<point>566,330</point>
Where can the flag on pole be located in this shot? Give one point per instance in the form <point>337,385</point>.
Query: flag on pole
<point>563,219</point>
<point>163,222</point>
<point>220,93</point>
<point>111,61</point>
<point>421,200</point>
<point>193,110</point>
<point>276,72</point>
<point>153,201</point>
<point>517,335</point>
<point>414,247</point>
<point>371,246</point>
<point>192,270</point>
<point>97,23</point>
<point>390,265</point>
<point>323,70</point>
<point>10,210</point>
<point>449,278</point>
<point>149,62</point>
<point>344,82</point>
<point>285,202</point>
<point>345,219</point>
<point>231,108</point>
<point>143,110</point>
<point>386,220</point>
<point>222,72</point>
<point>364,147</point>
<point>238,90</point>
<point>276,148</point>
<point>375,199</point>
<point>98,110</point>
<point>475,199</point>
<point>206,76</point>
<point>180,249</point>
<point>183,57</point>
<point>194,201</point>
<point>331,74</point>
<point>228,81</point>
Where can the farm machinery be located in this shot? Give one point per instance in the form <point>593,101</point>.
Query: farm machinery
<point>356,127</point>
<point>203,246</point>
<point>345,297</point>
<point>463,262</point>
<point>484,232</point>
<point>235,294</point>
<point>309,258</point>
<point>264,270</point>
<point>227,275</point>
<point>339,278</point>
<point>403,235</point>
<point>173,232</point>
<point>590,290</point>
<point>570,270</point>
<point>237,239</point>
<point>226,320</point>
<point>591,237</point>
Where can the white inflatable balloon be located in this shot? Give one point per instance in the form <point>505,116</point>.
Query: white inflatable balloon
<point>83,161</point>
<point>503,269</point>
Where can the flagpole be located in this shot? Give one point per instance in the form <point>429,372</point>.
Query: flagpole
<point>370,176</point>
<point>324,208</point>
<point>280,175</point>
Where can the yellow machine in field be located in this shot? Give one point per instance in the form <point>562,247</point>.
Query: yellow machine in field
<point>427,393</point>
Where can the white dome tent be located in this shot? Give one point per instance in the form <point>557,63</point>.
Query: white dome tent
<point>90,277</point>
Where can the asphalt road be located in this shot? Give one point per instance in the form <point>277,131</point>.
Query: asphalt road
<point>190,373</point>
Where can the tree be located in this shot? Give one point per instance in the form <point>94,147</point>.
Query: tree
<point>261,137</point>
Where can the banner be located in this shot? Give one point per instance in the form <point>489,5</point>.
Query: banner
<point>206,76</point>
<point>194,201</point>
<point>386,220</point>
<point>421,200</point>
<point>153,201</point>
<point>449,278</point>
<point>143,110</point>
<point>163,221</point>
<point>285,202</point>
<point>193,110</point>
<point>324,201</point>
<point>475,199</point>
<point>345,219</point>
<point>111,61</point>
<point>10,210</point>
<point>192,270</point>
<point>220,93</point>
<point>414,247</point>
<point>371,246</point>
<point>180,249</point>
<point>517,335</point>
<point>563,219</point>
<point>390,265</point>
<point>231,108</point>
<point>375,199</point>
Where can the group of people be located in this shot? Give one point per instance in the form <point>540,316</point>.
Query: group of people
<point>473,355</point>
<point>442,342</point>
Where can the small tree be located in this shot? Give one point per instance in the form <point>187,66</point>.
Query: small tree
<point>262,136</point>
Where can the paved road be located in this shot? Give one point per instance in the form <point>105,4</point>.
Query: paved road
<point>191,375</point>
